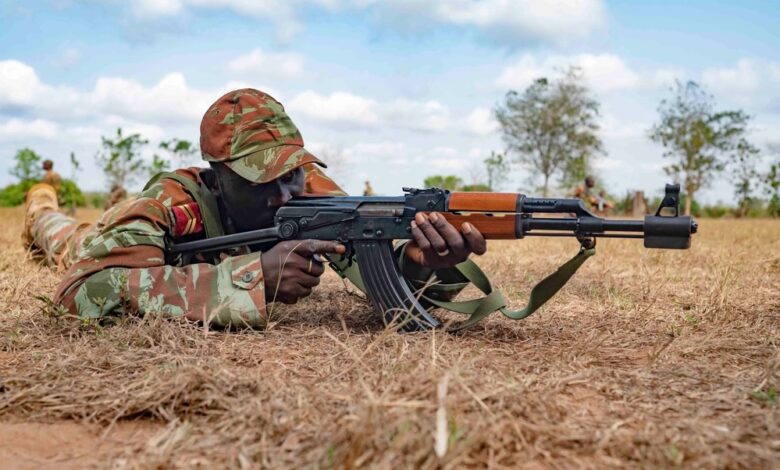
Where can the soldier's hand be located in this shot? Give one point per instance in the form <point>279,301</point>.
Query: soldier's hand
<point>438,244</point>
<point>292,268</point>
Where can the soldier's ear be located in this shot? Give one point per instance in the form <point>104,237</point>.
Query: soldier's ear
<point>210,179</point>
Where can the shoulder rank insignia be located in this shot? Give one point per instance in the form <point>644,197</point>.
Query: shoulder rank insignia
<point>186,220</point>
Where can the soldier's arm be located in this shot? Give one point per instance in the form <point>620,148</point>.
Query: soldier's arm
<point>122,271</point>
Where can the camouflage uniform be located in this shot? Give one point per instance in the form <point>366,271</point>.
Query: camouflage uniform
<point>121,264</point>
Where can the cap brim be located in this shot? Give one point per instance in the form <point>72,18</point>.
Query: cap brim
<point>267,165</point>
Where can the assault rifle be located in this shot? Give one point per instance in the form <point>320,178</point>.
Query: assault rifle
<point>368,225</point>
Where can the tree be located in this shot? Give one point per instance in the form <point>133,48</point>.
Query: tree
<point>180,151</point>
<point>121,159</point>
<point>451,182</point>
<point>75,165</point>
<point>476,187</point>
<point>744,175</point>
<point>551,128</point>
<point>27,166</point>
<point>771,182</point>
<point>497,167</point>
<point>158,165</point>
<point>697,137</point>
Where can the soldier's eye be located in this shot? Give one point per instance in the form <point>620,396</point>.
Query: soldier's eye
<point>289,177</point>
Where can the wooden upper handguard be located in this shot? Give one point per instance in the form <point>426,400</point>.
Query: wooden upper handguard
<point>483,202</point>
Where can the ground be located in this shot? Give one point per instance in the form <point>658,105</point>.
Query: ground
<point>646,359</point>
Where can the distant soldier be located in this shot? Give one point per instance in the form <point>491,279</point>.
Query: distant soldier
<point>51,177</point>
<point>595,200</point>
<point>115,196</point>
<point>367,189</point>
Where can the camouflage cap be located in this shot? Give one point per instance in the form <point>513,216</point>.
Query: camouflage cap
<point>250,132</point>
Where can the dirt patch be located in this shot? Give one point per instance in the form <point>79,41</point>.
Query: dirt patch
<point>68,445</point>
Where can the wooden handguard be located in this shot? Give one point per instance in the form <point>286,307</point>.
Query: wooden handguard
<point>483,202</point>
<point>493,227</point>
<point>493,214</point>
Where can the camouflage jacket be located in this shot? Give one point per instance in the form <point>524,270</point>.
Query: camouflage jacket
<point>122,265</point>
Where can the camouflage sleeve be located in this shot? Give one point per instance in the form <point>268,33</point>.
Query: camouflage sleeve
<point>228,294</point>
<point>121,269</point>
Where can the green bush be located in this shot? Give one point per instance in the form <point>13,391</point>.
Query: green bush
<point>716,212</point>
<point>70,195</point>
<point>97,199</point>
<point>773,208</point>
<point>13,194</point>
<point>475,188</point>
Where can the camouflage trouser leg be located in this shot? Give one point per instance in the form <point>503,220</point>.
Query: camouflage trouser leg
<point>56,238</point>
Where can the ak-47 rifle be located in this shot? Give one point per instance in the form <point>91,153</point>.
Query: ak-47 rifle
<point>368,225</point>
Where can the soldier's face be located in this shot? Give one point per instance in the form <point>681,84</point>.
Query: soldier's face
<point>252,206</point>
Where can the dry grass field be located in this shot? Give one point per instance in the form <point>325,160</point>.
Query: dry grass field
<point>647,359</point>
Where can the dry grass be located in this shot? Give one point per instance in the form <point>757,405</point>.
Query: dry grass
<point>646,359</point>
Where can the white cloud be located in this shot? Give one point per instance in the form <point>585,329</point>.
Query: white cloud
<point>546,19</point>
<point>19,84</point>
<point>448,164</point>
<point>171,99</point>
<point>506,20</point>
<point>607,163</point>
<point>743,78</point>
<point>612,127</point>
<point>417,115</point>
<point>394,154</point>
<point>338,107</point>
<point>602,72</point>
<point>343,108</point>
<point>258,64</point>
<point>749,83</point>
<point>19,130</point>
<point>378,149</point>
<point>281,14</point>
<point>481,122</point>
<point>155,8</point>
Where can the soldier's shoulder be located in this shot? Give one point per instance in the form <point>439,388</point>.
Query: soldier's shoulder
<point>184,213</point>
<point>170,192</point>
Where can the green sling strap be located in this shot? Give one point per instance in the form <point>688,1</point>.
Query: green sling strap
<point>478,309</point>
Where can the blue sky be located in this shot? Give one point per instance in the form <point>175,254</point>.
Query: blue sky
<point>388,91</point>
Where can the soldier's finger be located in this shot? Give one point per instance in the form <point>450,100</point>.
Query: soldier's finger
<point>315,268</point>
<point>431,234</point>
<point>474,237</point>
<point>310,247</point>
<point>303,291</point>
<point>420,240</point>
<point>414,253</point>
<point>307,280</point>
<point>450,234</point>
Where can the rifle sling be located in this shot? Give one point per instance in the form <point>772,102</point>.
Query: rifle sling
<point>494,300</point>
<point>477,309</point>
